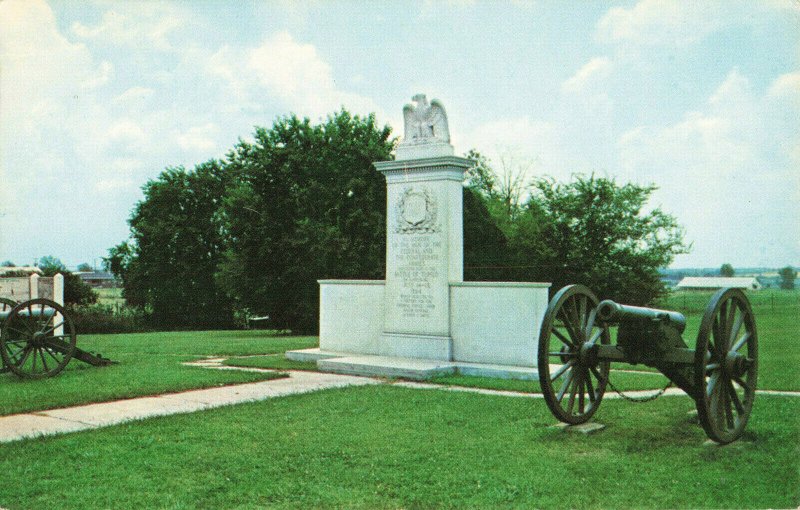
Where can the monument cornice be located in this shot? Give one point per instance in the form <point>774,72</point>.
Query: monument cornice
<point>449,168</point>
<point>423,163</point>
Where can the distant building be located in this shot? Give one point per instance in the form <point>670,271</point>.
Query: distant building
<point>719,282</point>
<point>20,270</point>
<point>98,279</point>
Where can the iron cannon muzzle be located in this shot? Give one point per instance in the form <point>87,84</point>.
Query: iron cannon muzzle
<point>614,313</point>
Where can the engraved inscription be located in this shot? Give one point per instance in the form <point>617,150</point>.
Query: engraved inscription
<point>417,270</point>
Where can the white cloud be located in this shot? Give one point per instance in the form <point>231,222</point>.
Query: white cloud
<point>134,95</point>
<point>661,22</point>
<point>285,70</point>
<point>140,25</point>
<point>531,143</point>
<point>295,73</point>
<point>199,138</point>
<point>128,134</point>
<point>722,171</point>
<point>787,86</point>
<point>593,72</point>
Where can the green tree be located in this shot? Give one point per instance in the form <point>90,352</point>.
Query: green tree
<point>176,244</point>
<point>7,263</point>
<point>85,267</point>
<point>726,270</point>
<point>305,204</point>
<point>76,291</point>
<point>788,275</point>
<point>595,232</point>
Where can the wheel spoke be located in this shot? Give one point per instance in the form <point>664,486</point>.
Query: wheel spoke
<point>566,320</point>
<point>726,404</point>
<point>600,379</point>
<point>712,383</point>
<point>584,319</point>
<point>595,336</point>
<point>735,397</point>
<point>50,330</point>
<point>729,324</point>
<point>565,385</point>
<point>590,387</point>
<point>561,370</point>
<point>742,383</point>
<point>581,397</point>
<point>575,382</point>
<point>563,339</point>
<point>52,355</point>
<point>741,342</point>
<point>44,361</point>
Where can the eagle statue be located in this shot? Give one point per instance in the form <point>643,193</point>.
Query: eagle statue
<point>425,123</point>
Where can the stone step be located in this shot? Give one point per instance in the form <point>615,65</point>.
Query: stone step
<point>408,368</point>
<point>381,366</point>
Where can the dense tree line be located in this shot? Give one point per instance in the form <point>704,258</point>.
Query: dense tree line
<point>251,234</point>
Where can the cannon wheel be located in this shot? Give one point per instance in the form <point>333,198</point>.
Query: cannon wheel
<point>726,365</point>
<point>574,385</point>
<point>5,306</point>
<point>30,344</point>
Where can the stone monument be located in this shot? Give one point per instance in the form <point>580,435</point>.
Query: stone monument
<point>424,319</point>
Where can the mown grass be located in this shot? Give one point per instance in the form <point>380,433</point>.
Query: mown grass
<point>624,381</point>
<point>149,363</point>
<point>389,447</point>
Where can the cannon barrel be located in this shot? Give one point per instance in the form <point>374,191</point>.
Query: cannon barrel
<point>612,312</point>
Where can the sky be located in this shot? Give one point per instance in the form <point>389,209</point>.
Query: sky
<point>701,99</point>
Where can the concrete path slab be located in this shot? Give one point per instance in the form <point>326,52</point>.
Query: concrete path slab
<point>23,426</point>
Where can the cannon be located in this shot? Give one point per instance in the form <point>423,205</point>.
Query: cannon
<point>719,371</point>
<point>38,340</point>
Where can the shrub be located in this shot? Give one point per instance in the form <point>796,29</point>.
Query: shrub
<point>104,319</point>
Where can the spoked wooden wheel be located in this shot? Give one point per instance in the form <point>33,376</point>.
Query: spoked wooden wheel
<point>37,339</point>
<point>5,306</point>
<point>573,381</point>
<point>726,365</point>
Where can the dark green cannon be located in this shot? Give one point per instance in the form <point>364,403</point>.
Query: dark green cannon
<point>38,339</point>
<point>719,372</point>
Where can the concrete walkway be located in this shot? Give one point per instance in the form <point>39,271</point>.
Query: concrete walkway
<point>92,416</point>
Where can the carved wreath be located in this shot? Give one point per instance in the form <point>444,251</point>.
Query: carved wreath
<point>416,212</point>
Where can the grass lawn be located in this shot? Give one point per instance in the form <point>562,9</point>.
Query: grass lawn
<point>390,447</point>
<point>149,363</point>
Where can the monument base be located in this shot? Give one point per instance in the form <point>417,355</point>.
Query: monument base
<point>407,368</point>
<point>402,345</point>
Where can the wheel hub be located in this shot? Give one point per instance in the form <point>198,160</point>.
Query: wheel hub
<point>588,354</point>
<point>38,338</point>
<point>736,365</point>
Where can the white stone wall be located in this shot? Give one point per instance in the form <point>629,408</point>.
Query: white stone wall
<point>497,322</point>
<point>23,288</point>
<point>490,322</point>
<point>350,315</point>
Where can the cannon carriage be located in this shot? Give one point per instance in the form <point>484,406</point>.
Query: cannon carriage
<point>37,339</point>
<point>719,372</point>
